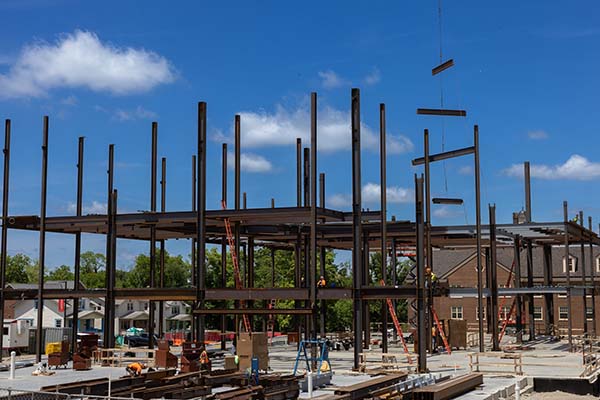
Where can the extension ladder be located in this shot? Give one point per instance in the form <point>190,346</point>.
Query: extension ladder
<point>397,325</point>
<point>236,267</point>
<point>441,330</point>
<point>271,322</point>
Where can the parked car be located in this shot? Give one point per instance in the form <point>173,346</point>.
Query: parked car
<point>139,340</point>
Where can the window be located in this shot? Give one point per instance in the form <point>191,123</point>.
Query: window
<point>537,314</point>
<point>572,264</point>
<point>504,313</point>
<point>5,331</point>
<point>130,306</point>
<point>477,313</point>
<point>598,264</point>
<point>456,312</point>
<point>563,313</point>
<point>58,323</point>
<point>35,304</point>
<point>145,306</point>
<point>81,304</point>
<point>588,313</point>
<point>174,310</point>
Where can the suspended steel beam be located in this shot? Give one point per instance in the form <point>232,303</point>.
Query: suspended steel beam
<point>444,200</point>
<point>445,155</point>
<point>442,67</point>
<point>441,112</point>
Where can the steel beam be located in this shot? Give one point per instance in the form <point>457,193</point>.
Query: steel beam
<point>153,171</point>
<point>223,239</point>
<point>313,212</point>
<point>494,279</point>
<point>77,263</point>
<point>568,269</point>
<point>478,237</point>
<point>42,248</point>
<point>518,298</point>
<point>530,297</point>
<point>443,200</point>
<point>442,67</point>
<point>421,307</point>
<point>322,259</point>
<point>161,279</point>
<point>441,112</point>
<point>445,155</point>
<point>583,279</point>
<point>527,191</point>
<point>109,309</point>
<point>548,298</point>
<point>593,277</point>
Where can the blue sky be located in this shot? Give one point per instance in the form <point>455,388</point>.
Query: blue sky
<point>524,72</point>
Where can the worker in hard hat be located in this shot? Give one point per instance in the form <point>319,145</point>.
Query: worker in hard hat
<point>204,360</point>
<point>321,283</point>
<point>135,368</point>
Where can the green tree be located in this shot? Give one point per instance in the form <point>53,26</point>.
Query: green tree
<point>16,268</point>
<point>62,273</point>
<point>177,272</point>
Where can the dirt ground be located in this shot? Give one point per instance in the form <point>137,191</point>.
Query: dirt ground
<point>555,396</point>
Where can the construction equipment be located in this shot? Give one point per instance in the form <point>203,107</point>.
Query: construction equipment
<point>236,267</point>
<point>397,325</point>
<point>320,360</point>
<point>441,330</point>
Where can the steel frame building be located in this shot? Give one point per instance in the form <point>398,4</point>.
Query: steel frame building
<point>307,230</point>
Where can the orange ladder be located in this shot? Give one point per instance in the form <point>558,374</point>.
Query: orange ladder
<point>397,325</point>
<point>441,330</point>
<point>236,267</point>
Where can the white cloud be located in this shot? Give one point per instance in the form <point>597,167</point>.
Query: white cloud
<point>370,194</point>
<point>465,170</point>
<point>339,201</point>
<point>282,127</point>
<point>537,135</point>
<point>445,212</point>
<point>576,167</point>
<point>373,77</point>
<point>331,80</point>
<point>69,101</point>
<point>250,163</point>
<point>131,115</point>
<point>80,59</point>
<point>95,208</point>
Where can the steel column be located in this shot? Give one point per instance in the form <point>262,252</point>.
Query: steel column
<point>153,172</point>
<point>77,263</point>
<point>478,230</point>
<point>494,279</point>
<point>568,269</point>
<point>109,311</point>
<point>530,298</point>
<point>237,194</point>
<point>357,257</point>
<point>420,247</point>
<point>195,317</point>
<point>42,249</point>
<point>548,297</point>
<point>112,266</point>
<point>593,276</point>
<point>322,254</point>
<point>527,192</point>
<point>201,214</point>
<point>383,194</point>
<point>161,272</point>
<point>313,213</point>
<point>583,279</point>
<point>518,299</point>
<point>5,188</point>
<point>223,240</point>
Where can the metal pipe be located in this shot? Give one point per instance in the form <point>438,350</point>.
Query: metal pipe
<point>313,212</point>
<point>568,270</point>
<point>3,245</point>
<point>527,192</point>
<point>109,312</point>
<point>383,190</point>
<point>420,239</point>
<point>153,171</point>
<point>494,279</point>
<point>161,272</point>
<point>223,239</point>
<point>357,258</point>
<point>42,249</point>
<point>593,276</point>
<point>201,217</point>
<point>478,231</point>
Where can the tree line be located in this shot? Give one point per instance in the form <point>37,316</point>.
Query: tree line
<point>22,269</point>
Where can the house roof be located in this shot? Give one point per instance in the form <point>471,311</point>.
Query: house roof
<point>47,285</point>
<point>88,314</point>
<point>445,260</point>
<point>135,315</point>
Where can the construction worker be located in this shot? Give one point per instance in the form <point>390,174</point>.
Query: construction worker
<point>204,360</point>
<point>135,368</point>
<point>322,282</point>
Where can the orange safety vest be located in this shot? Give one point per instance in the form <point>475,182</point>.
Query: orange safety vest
<point>204,358</point>
<point>137,367</point>
<point>321,283</point>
